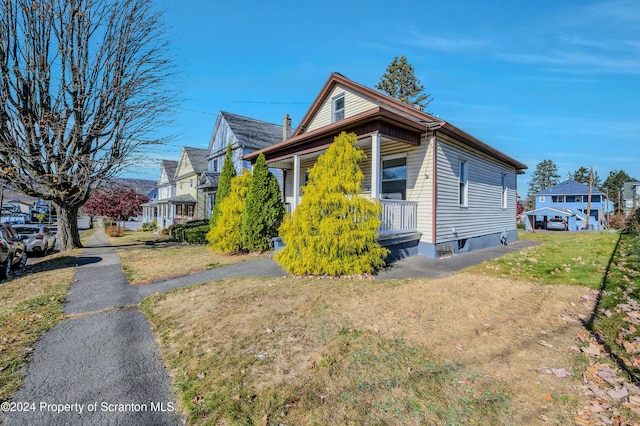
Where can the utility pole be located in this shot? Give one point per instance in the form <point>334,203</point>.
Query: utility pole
<point>608,213</point>
<point>588,212</point>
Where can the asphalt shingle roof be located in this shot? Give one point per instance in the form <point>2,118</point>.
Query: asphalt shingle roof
<point>569,187</point>
<point>252,132</point>
<point>197,157</point>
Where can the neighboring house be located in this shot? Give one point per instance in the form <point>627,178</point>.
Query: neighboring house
<point>631,196</point>
<point>189,201</point>
<point>442,190</point>
<point>568,200</point>
<point>11,212</point>
<point>161,209</point>
<point>245,135</point>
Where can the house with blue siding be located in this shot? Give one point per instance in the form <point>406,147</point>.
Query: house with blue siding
<point>245,135</point>
<point>568,200</point>
<point>442,190</point>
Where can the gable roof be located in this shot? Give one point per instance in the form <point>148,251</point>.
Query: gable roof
<point>197,158</point>
<point>569,187</point>
<point>388,109</point>
<point>169,167</point>
<point>252,132</point>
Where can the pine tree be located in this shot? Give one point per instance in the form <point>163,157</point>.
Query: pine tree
<point>582,176</point>
<point>333,230</point>
<point>226,235</point>
<point>224,185</point>
<point>400,82</point>
<point>614,185</point>
<point>264,210</point>
<point>545,176</point>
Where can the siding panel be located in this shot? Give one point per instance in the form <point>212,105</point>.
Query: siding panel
<point>353,105</point>
<point>484,214</point>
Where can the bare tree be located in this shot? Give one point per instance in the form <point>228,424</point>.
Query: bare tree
<point>82,88</point>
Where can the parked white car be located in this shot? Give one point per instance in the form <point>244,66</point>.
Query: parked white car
<point>39,239</point>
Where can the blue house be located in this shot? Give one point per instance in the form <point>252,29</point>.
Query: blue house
<point>568,200</point>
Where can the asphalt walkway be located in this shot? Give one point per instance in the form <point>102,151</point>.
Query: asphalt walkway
<point>102,365</point>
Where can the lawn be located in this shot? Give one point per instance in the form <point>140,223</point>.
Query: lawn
<point>470,349</point>
<point>564,258</point>
<point>147,258</point>
<point>617,320</point>
<point>30,305</point>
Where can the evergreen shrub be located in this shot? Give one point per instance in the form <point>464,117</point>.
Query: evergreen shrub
<point>226,235</point>
<point>197,235</point>
<point>224,186</point>
<point>334,230</point>
<point>263,209</point>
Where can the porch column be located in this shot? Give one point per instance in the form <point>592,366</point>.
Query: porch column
<point>375,166</point>
<point>296,182</point>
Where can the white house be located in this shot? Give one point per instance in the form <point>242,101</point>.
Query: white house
<point>442,190</point>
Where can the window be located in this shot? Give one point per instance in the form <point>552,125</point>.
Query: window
<point>180,185</point>
<point>394,178</point>
<point>215,165</point>
<point>556,198</point>
<point>541,199</point>
<point>504,191</point>
<point>463,183</point>
<point>191,183</point>
<point>337,112</point>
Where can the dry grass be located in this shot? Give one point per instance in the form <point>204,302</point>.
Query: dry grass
<point>30,304</point>
<point>462,350</point>
<point>147,264</point>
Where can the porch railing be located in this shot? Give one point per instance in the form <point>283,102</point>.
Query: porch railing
<point>398,216</point>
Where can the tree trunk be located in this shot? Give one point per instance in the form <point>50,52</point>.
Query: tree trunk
<point>68,235</point>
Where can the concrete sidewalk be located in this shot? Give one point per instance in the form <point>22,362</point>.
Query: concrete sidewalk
<point>102,365</point>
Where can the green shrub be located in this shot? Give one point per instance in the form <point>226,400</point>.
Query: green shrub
<point>224,186</point>
<point>263,209</point>
<point>148,226</point>
<point>632,224</point>
<point>197,235</point>
<point>176,231</point>
<point>334,230</point>
<point>226,235</point>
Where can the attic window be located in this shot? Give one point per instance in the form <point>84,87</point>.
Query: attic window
<point>338,108</point>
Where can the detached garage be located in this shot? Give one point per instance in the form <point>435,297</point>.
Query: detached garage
<point>542,215</point>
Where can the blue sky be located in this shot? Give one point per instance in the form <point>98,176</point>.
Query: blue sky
<point>536,80</point>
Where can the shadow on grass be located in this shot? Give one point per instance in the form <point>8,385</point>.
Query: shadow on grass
<point>57,262</point>
<point>631,372</point>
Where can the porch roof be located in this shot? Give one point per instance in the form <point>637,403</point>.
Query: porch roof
<point>180,199</point>
<point>548,211</point>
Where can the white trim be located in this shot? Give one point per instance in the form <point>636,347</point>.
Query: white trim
<point>334,99</point>
<point>463,182</point>
<point>296,182</point>
<point>376,166</point>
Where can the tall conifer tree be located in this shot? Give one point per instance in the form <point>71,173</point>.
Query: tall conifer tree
<point>264,210</point>
<point>333,231</point>
<point>224,185</point>
<point>400,82</point>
